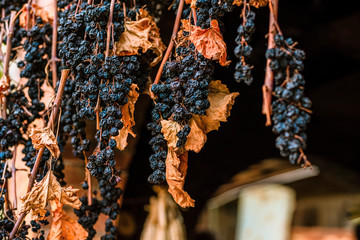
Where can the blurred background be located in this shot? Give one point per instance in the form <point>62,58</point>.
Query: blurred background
<point>243,189</point>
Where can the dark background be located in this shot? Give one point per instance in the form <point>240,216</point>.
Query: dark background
<point>328,31</point>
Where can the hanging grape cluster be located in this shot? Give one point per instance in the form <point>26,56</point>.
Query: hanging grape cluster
<point>109,48</point>
<point>243,50</point>
<point>291,112</point>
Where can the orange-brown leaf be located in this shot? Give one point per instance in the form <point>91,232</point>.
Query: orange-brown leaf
<point>64,227</point>
<point>196,138</point>
<point>221,102</point>
<point>254,3</point>
<point>210,43</point>
<point>176,169</point>
<point>38,11</point>
<point>141,35</point>
<point>4,84</point>
<point>191,2</point>
<point>128,118</point>
<point>46,190</point>
<point>170,128</point>
<point>45,137</point>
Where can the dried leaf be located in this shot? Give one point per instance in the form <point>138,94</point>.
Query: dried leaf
<point>196,138</point>
<point>39,12</point>
<point>170,128</point>
<point>210,43</point>
<point>121,139</point>
<point>254,3</point>
<point>176,168</point>
<point>158,47</point>
<point>191,2</point>
<point>128,118</point>
<point>64,227</point>
<point>143,35</point>
<point>221,102</point>
<point>4,84</point>
<point>46,190</point>
<point>45,137</point>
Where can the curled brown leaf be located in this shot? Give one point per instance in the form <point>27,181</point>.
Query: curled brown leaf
<point>176,169</point>
<point>191,2</point>
<point>64,227</point>
<point>4,84</point>
<point>254,3</point>
<point>210,43</point>
<point>143,35</point>
<point>34,10</point>
<point>128,118</point>
<point>45,137</point>
<point>221,102</point>
<point>196,138</point>
<point>46,190</point>
<point>170,128</point>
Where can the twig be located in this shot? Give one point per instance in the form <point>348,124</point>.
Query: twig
<point>28,6</point>
<point>109,24</point>
<point>269,76</point>
<point>171,44</point>
<point>194,15</point>
<point>303,157</point>
<point>13,175</point>
<point>107,52</point>
<point>54,45</point>
<point>88,177</point>
<point>10,33</point>
<point>1,40</point>
<point>51,123</point>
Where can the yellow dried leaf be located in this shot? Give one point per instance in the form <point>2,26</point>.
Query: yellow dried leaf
<point>143,35</point>
<point>176,169</point>
<point>196,138</point>
<point>39,12</point>
<point>158,47</point>
<point>121,139</point>
<point>45,137</point>
<point>64,227</point>
<point>210,43</point>
<point>191,2</point>
<point>221,102</point>
<point>128,118</point>
<point>46,190</point>
<point>254,3</point>
<point>170,128</point>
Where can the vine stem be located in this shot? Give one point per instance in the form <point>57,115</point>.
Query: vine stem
<point>10,34</point>
<point>88,177</point>
<point>54,45</point>
<point>107,52</point>
<point>28,6</point>
<point>57,103</point>
<point>269,76</point>
<point>193,11</point>
<point>171,43</point>
<point>13,175</point>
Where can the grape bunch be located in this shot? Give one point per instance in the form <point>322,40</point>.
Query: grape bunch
<point>8,6</point>
<point>100,85</point>
<point>37,47</point>
<point>88,215</point>
<point>211,9</point>
<point>243,50</point>
<point>7,224</point>
<point>182,91</point>
<point>291,112</point>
